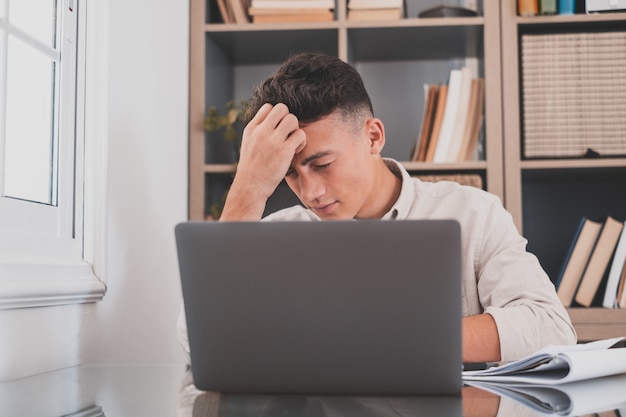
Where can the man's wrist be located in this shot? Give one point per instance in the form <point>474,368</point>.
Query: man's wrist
<point>243,203</point>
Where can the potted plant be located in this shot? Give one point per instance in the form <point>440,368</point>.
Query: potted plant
<point>230,123</point>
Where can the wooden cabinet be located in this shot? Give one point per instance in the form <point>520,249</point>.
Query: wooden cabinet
<point>395,59</point>
<point>547,197</point>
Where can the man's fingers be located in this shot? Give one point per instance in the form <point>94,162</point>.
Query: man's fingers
<point>287,125</point>
<point>270,115</point>
<point>298,139</point>
<point>261,114</point>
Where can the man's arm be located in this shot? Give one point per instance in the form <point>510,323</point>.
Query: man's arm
<point>269,142</point>
<point>516,293</point>
<point>481,342</point>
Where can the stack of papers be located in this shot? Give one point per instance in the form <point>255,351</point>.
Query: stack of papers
<point>558,365</point>
<point>570,399</point>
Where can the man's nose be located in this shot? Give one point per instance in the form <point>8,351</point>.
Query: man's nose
<point>311,188</point>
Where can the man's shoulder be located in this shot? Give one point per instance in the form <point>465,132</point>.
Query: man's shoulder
<point>449,188</point>
<point>294,213</point>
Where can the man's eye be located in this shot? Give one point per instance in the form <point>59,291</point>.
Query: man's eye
<point>290,172</point>
<point>322,166</point>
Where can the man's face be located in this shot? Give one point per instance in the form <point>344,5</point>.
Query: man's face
<point>334,175</point>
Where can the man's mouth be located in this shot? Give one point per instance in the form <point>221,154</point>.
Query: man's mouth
<point>325,209</point>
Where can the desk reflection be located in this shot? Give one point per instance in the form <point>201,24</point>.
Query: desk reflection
<point>196,403</point>
<point>602,396</point>
<point>167,391</point>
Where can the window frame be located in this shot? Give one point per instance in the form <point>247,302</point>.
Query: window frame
<point>55,279</point>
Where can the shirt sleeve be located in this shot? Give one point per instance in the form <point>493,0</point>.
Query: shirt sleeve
<point>183,338</point>
<point>516,291</point>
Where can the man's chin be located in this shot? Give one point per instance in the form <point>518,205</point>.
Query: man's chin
<point>335,216</point>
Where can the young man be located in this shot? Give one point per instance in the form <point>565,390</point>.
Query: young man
<point>313,125</point>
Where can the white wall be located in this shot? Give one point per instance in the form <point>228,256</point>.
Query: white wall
<point>147,196</point>
<point>148,103</point>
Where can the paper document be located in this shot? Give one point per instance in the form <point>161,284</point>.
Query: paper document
<point>559,364</point>
<point>570,399</point>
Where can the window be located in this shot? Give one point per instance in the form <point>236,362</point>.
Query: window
<point>49,211</point>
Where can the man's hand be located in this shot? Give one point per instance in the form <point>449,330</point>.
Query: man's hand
<point>269,143</point>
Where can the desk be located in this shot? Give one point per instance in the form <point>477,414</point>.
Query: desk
<point>166,390</point>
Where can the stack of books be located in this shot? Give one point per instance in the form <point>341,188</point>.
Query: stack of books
<point>376,9</point>
<point>452,119</point>
<point>545,7</point>
<point>574,94</point>
<point>278,11</point>
<point>593,272</point>
<point>234,11</point>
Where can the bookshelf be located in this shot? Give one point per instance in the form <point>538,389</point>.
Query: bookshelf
<point>395,59</point>
<point>548,196</point>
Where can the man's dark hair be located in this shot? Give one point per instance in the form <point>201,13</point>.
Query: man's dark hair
<point>313,85</point>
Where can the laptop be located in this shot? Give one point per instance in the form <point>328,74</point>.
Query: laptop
<point>335,307</point>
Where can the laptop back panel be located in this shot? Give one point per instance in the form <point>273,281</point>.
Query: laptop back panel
<point>367,307</point>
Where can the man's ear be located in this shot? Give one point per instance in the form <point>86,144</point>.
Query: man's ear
<point>376,134</point>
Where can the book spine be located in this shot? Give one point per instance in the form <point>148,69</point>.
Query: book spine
<point>616,271</point>
<point>548,7</point>
<point>567,6</point>
<point>527,7</point>
<point>450,115</point>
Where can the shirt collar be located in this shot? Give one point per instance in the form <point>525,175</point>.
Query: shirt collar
<point>400,209</point>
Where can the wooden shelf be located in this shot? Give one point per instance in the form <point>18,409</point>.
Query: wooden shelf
<point>410,166</point>
<point>576,20</point>
<point>220,168</point>
<point>574,163</point>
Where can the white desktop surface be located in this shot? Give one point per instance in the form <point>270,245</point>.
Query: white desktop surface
<point>167,390</point>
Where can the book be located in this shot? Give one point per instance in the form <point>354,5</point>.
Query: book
<point>547,7</point>
<point>598,261</point>
<point>225,12</point>
<point>375,4</point>
<point>273,12</point>
<point>567,6</point>
<point>615,272</point>
<point>604,6</point>
<point>428,116</point>
<point>602,397</point>
<point>527,7</point>
<point>461,120</point>
<point>576,259</point>
<point>621,289</point>
<point>442,98</point>
<point>293,4</point>
<point>450,116</point>
<point>238,11</point>
<point>559,364</point>
<point>472,131</point>
<point>288,17</point>
<point>375,14</point>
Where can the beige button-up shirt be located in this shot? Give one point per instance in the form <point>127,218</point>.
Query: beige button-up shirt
<point>499,276</point>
